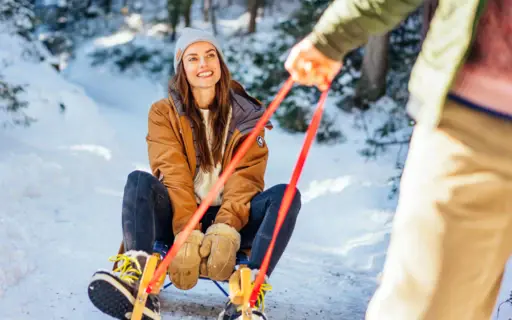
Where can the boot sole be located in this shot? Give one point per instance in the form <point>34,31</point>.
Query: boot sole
<point>112,298</point>
<point>256,315</point>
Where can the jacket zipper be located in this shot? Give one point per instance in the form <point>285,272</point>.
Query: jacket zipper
<point>229,149</point>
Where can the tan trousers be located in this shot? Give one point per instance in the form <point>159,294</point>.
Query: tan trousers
<point>452,232</point>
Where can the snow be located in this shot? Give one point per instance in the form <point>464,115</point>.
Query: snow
<point>115,39</point>
<point>62,180</point>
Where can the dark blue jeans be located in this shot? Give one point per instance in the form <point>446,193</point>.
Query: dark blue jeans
<point>147,217</point>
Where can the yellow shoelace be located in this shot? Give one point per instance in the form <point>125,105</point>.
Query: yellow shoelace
<point>260,303</point>
<point>130,269</point>
<point>261,296</point>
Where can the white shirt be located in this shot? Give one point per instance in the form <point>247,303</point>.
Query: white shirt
<point>205,181</point>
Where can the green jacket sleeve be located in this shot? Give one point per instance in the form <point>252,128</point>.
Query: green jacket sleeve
<point>347,24</point>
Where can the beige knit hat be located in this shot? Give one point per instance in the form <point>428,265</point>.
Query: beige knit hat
<point>189,36</point>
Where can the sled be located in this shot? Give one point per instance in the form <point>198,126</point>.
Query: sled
<point>240,286</point>
<point>161,250</point>
<point>142,296</point>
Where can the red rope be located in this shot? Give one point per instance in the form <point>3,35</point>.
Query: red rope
<point>289,194</point>
<point>222,180</point>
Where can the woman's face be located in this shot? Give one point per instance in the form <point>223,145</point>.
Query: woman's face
<point>202,65</point>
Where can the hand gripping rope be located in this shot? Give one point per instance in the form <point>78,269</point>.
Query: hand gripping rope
<point>153,276</point>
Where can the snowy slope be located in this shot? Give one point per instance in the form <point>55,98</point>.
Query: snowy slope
<point>65,175</point>
<point>48,173</point>
<point>62,181</point>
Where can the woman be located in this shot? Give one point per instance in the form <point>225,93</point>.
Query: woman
<point>192,135</point>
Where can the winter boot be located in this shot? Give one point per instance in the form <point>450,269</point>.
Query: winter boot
<point>234,312</point>
<point>114,292</point>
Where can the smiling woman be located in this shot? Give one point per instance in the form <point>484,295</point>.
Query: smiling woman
<point>203,82</point>
<point>192,135</point>
<point>202,67</point>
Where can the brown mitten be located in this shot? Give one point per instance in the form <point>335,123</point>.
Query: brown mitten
<point>220,245</point>
<point>184,268</point>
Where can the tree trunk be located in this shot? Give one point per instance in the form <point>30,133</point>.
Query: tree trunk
<point>187,11</point>
<point>214,18</point>
<point>270,4</point>
<point>173,13</point>
<point>107,6</point>
<point>253,6</point>
<point>372,84</point>
<point>206,10</point>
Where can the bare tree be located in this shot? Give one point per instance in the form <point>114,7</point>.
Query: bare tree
<point>187,8</point>
<point>107,6</point>
<point>270,6</point>
<point>173,13</point>
<point>207,4</point>
<point>253,6</point>
<point>176,9</point>
<point>213,12</point>
<point>372,84</point>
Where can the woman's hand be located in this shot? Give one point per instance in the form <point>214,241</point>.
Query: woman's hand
<point>220,245</point>
<point>184,268</point>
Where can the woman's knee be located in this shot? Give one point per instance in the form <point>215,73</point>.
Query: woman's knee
<point>139,177</point>
<point>280,189</point>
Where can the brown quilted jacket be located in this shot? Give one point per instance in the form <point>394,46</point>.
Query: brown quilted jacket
<point>173,158</point>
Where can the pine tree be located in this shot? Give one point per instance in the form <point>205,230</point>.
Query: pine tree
<point>17,16</point>
<point>294,113</point>
<point>10,102</point>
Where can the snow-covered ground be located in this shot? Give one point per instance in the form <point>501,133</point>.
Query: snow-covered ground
<point>61,183</point>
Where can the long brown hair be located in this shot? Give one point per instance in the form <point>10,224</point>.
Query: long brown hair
<point>219,112</point>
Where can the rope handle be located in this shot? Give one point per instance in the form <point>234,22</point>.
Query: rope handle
<point>290,192</point>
